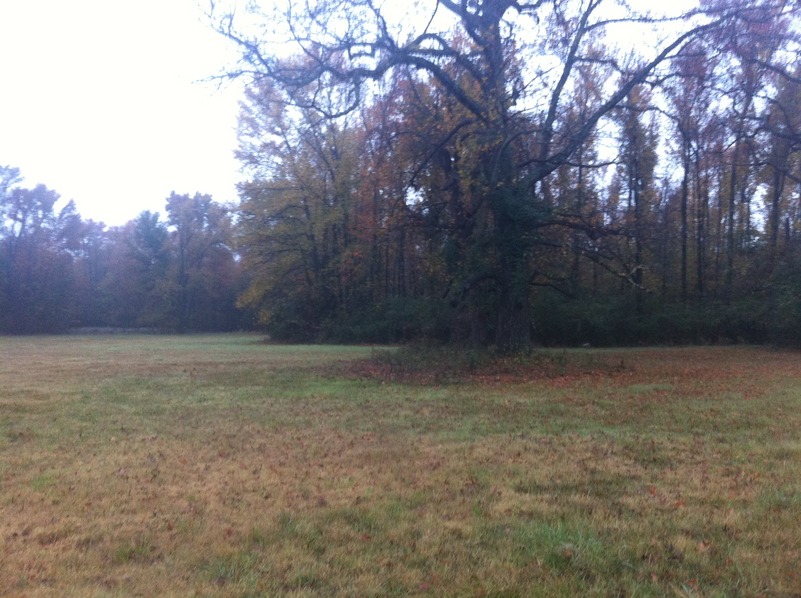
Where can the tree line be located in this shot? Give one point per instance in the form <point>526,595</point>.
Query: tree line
<point>508,172</point>
<point>494,172</point>
<point>60,272</point>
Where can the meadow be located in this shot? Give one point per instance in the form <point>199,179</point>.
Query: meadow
<point>224,466</point>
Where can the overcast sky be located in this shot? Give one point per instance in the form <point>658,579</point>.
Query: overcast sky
<point>100,100</point>
<point>103,101</point>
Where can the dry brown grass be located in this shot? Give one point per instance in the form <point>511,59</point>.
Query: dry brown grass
<point>219,466</point>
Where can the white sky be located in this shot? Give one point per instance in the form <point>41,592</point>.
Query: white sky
<point>100,101</point>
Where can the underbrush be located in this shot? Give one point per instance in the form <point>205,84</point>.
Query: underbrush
<point>441,364</point>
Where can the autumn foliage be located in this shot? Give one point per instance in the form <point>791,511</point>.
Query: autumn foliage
<point>453,187</point>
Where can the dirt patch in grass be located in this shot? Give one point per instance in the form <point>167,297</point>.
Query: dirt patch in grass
<point>702,369</point>
<point>426,365</point>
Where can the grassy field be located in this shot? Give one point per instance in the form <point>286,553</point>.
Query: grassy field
<point>221,466</point>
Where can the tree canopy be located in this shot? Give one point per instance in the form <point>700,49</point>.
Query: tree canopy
<point>483,177</point>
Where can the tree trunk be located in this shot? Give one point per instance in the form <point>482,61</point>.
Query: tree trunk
<point>512,316</point>
<point>685,198</point>
<point>730,220</point>
<point>513,324</point>
<point>702,202</point>
<point>775,213</point>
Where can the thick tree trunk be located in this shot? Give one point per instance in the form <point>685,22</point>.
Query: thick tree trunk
<point>513,325</point>
<point>513,320</point>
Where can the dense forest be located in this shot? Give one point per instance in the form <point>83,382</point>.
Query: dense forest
<point>505,173</point>
<point>59,272</point>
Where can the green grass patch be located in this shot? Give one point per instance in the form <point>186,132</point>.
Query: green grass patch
<point>137,550</point>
